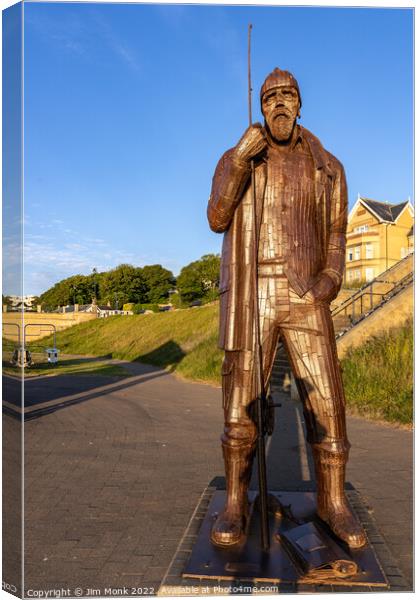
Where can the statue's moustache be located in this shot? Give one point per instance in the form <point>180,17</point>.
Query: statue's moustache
<point>282,113</point>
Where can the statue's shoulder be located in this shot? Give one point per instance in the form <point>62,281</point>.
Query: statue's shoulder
<point>334,163</point>
<point>225,158</point>
<point>228,154</point>
<point>322,155</point>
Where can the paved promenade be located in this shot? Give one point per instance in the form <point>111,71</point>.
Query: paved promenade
<point>114,469</point>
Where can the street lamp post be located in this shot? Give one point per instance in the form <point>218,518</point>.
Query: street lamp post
<point>94,272</point>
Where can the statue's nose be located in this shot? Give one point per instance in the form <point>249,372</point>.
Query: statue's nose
<point>279,97</point>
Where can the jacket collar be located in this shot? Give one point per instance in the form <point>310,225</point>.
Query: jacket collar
<point>320,156</point>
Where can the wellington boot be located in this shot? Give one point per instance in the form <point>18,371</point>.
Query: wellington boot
<point>230,526</point>
<point>332,505</point>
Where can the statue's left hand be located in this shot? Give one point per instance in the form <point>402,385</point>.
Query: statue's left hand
<point>323,290</point>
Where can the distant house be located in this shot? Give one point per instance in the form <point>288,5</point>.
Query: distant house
<point>26,303</point>
<point>102,310</point>
<point>379,234</point>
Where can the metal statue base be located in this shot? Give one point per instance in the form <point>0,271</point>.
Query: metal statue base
<point>248,563</point>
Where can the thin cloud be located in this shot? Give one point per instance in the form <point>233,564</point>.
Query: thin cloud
<point>61,253</point>
<point>80,36</point>
<point>114,41</point>
<point>49,258</point>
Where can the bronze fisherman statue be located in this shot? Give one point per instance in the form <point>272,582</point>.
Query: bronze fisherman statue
<point>301,212</point>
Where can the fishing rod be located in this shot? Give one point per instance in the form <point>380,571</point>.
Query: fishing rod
<point>261,400</point>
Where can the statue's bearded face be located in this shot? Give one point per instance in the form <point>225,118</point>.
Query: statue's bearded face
<point>280,107</point>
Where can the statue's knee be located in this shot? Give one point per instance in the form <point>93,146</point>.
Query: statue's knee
<point>332,451</point>
<point>236,435</point>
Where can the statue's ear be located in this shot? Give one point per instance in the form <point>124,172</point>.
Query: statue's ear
<point>298,115</point>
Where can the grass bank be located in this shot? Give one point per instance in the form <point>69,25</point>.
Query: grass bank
<point>183,341</point>
<point>67,366</point>
<point>378,377</point>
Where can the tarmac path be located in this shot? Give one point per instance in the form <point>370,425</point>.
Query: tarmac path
<point>115,467</point>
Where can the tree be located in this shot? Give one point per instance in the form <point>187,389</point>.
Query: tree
<point>200,279</point>
<point>6,300</point>
<point>73,290</point>
<point>210,272</point>
<point>123,284</point>
<point>159,282</point>
<point>95,277</point>
<point>176,301</point>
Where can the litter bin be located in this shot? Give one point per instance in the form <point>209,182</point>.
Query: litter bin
<point>52,355</point>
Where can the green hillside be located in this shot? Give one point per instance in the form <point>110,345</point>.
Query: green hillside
<point>378,376</point>
<point>183,341</point>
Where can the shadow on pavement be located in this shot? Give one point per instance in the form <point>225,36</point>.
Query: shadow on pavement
<point>166,356</point>
<point>75,389</point>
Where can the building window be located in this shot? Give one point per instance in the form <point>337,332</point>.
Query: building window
<point>369,274</point>
<point>357,253</point>
<point>353,275</point>
<point>350,254</point>
<point>369,251</point>
<point>404,252</point>
<point>361,229</point>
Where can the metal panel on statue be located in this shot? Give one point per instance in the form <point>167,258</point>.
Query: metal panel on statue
<point>248,562</point>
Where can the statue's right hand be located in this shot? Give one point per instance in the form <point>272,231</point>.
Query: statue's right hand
<point>252,143</point>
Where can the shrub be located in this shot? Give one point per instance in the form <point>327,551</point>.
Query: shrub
<point>139,308</point>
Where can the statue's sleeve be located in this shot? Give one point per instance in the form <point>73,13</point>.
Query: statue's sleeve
<point>336,251</point>
<point>229,181</point>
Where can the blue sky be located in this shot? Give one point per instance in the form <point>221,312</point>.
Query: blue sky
<point>129,107</point>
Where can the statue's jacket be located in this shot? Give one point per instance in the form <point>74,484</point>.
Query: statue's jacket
<point>230,210</point>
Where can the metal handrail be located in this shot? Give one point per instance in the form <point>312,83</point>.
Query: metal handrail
<point>398,287</point>
<point>368,290</point>
<point>377,279</point>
